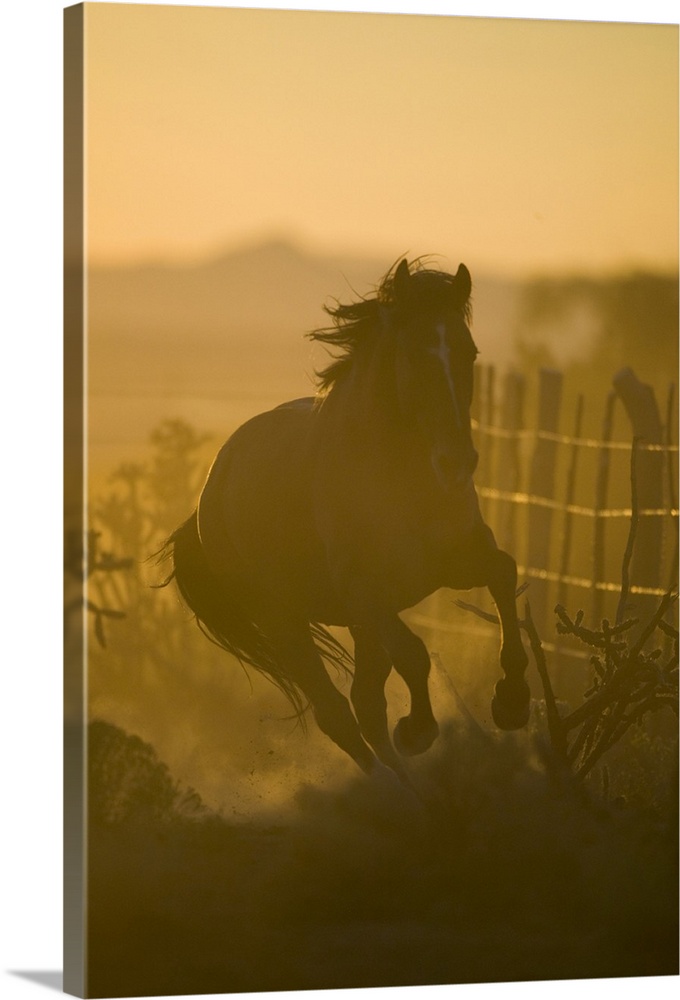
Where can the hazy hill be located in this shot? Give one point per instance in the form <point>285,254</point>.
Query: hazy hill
<point>220,340</point>
<point>178,328</point>
<point>273,286</point>
<point>216,342</point>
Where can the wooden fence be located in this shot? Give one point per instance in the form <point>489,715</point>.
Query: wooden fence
<point>564,503</point>
<point>569,504</point>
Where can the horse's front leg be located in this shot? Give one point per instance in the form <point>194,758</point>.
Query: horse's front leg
<point>510,705</point>
<point>481,563</point>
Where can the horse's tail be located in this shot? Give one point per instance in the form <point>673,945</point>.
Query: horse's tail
<point>223,619</point>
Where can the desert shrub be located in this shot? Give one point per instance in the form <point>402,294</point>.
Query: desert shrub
<point>128,783</point>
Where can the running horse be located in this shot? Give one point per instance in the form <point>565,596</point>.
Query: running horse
<point>349,507</point>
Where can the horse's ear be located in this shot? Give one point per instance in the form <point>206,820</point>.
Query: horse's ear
<point>462,286</point>
<point>402,283</point>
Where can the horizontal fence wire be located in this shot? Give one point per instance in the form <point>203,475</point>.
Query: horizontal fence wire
<point>534,435</point>
<point>531,500</point>
<point>585,584</point>
<point>525,495</point>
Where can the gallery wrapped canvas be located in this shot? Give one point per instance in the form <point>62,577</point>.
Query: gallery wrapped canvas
<point>371,511</point>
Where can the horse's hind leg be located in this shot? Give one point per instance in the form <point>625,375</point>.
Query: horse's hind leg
<point>418,730</point>
<point>301,661</point>
<point>372,667</point>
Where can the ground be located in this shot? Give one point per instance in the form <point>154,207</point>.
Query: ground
<point>501,869</point>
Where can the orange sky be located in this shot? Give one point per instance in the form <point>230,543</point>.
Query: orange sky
<point>522,145</point>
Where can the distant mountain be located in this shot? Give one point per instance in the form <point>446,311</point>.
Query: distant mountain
<point>216,342</point>
<point>273,291</point>
<point>273,287</point>
<point>221,340</point>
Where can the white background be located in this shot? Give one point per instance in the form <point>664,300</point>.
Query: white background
<point>30,476</point>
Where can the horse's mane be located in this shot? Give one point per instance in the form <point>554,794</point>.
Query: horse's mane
<point>356,324</point>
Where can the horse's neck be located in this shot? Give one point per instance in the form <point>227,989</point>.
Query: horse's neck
<point>361,418</point>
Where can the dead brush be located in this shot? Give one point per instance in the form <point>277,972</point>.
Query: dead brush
<point>628,682</point>
<point>634,668</point>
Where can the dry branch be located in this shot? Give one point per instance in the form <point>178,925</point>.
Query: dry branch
<point>628,681</point>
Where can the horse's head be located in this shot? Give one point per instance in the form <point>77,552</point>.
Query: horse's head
<point>426,312</point>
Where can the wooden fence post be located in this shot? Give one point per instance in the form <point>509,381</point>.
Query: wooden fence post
<point>491,449</point>
<point>542,484</point>
<point>483,411</point>
<point>640,405</point>
<point>569,499</point>
<point>601,492</point>
<point>672,487</point>
<point>509,470</point>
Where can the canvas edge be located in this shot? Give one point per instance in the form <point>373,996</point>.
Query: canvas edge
<point>75,841</point>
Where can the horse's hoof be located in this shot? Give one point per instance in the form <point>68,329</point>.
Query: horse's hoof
<point>511,703</point>
<point>409,741</point>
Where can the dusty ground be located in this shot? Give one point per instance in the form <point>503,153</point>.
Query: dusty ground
<point>503,871</point>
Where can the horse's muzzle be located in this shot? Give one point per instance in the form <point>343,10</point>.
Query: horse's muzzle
<point>454,469</point>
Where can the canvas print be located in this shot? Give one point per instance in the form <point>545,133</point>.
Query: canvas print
<point>371,508</point>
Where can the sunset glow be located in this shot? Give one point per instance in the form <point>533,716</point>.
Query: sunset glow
<point>535,145</point>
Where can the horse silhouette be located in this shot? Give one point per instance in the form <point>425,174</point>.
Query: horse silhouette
<point>349,507</point>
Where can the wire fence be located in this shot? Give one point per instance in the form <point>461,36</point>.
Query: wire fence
<point>566,505</point>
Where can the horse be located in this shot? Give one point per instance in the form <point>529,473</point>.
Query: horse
<point>348,507</point>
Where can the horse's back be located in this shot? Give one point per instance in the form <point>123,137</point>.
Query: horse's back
<point>255,512</point>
